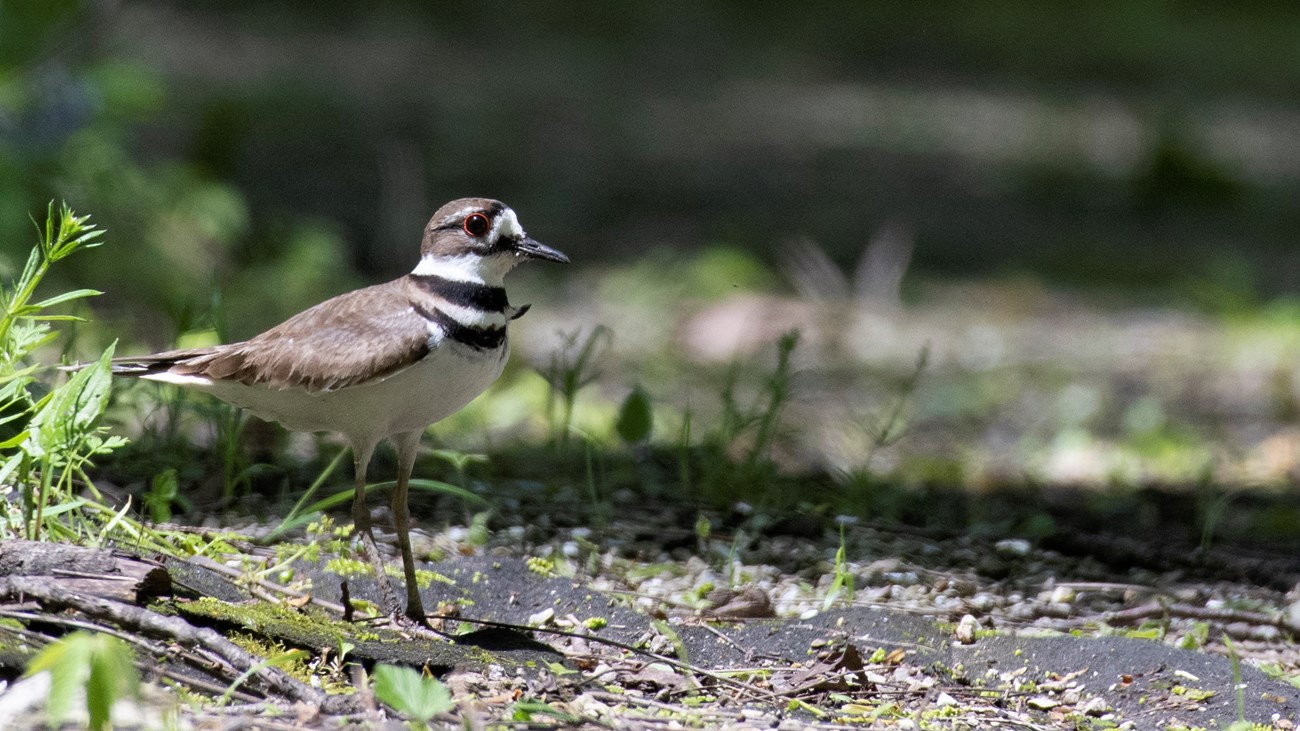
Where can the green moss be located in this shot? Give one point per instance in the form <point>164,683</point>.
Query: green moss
<point>542,567</point>
<point>347,567</point>
<point>298,668</point>
<point>310,628</point>
<point>1196,694</point>
<point>424,579</point>
<point>278,625</point>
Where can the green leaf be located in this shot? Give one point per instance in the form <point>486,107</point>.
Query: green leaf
<point>68,664</point>
<point>410,693</point>
<point>307,514</point>
<point>10,466</point>
<point>64,507</point>
<point>75,294</point>
<point>58,318</point>
<point>163,490</point>
<point>277,661</point>
<point>559,670</point>
<point>72,409</point>
<point>100,664</point>
<point>118,517</point>
<point>444,488</point>
<point>16,439</point>
<point>112,675</point>
<point>523,712</point>
<point>458,460</point>
<point>635,417</point>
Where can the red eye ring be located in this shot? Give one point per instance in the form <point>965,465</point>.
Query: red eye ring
<point>477,224</point>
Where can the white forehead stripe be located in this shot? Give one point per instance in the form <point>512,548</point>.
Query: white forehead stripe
<point>507,224</point>
<point>461,214</point>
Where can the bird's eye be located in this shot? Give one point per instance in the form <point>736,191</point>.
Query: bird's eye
<point>477,224</point>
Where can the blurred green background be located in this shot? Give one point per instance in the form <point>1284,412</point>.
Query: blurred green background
<point>1094,205</point>
<point>277,151</point>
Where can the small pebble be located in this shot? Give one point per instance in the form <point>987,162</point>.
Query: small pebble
<point>1062,595</point>
<point>1022,612</point>
<point>1042,703</point>
<point>904,578</point>
<point>1017,547</point>
<point>966,629</point>
<point>1096,706</point>
<point>963,587</point>
<point>1293,613</point>
<point>1055,609</point>
<point>875,595</point>
<point>589,706</point>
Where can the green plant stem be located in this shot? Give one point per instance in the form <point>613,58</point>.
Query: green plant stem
<point>42,494</point>
<point>21,298</point>
<point>315,485</point>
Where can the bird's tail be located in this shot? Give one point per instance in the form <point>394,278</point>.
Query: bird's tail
<point>137,366</point>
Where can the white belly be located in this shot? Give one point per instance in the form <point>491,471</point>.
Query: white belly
<point>409,400</point>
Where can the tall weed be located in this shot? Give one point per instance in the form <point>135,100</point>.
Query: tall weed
<point>49,434</point>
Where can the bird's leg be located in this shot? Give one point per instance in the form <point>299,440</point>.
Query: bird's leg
<point>361,516</point>
<point>407,445</point>
<point>361,521</point>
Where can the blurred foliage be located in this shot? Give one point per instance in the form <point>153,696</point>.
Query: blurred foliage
<point>97,666</point>
<point>250,158</point>
<point>1118,142</point>
<point>72,122</point>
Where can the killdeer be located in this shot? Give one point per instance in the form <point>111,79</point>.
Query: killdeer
<point>383,362</point>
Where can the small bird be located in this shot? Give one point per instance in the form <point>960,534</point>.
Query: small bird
<point>383,362</point>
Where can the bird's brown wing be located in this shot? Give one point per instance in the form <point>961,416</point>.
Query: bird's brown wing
<point>344,341</point>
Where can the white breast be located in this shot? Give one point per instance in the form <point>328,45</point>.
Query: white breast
<point>432,389</point>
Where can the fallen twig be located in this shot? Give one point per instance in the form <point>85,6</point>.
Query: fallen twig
<point>1159,610</point>
<point>177,630</point>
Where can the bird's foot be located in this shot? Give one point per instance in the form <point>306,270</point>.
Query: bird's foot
<point>417,625</point>
<point>386,595</point>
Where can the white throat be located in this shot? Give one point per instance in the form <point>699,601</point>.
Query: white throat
<point>489,270</point>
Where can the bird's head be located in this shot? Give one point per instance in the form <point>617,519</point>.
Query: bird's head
<point>478,239</point>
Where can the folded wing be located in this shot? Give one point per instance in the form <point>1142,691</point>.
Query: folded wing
<point>346,341</point>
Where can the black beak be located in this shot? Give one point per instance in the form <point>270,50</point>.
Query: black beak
<point>537,250</point>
